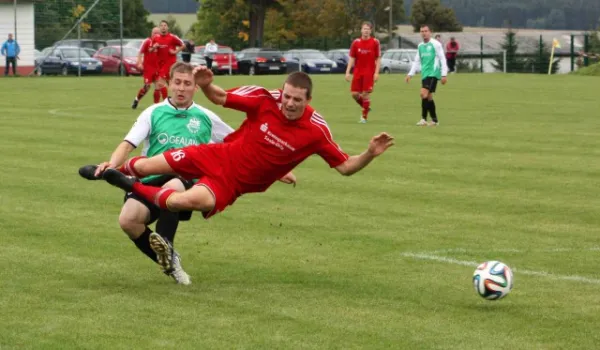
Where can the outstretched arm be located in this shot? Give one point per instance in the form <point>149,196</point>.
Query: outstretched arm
<point>204,79</point>
<point>377,146</point>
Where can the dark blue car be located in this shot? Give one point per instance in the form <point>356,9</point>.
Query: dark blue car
<point>67,60</point>
<point>341,57</point>
<point>310,61</point>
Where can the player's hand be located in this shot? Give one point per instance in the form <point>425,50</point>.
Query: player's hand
<point>289,179</point>
<point>407,79</point>
<point>173,52</point>
<point>101,168</point>
<point>376,76</point>
<point>140,66</point>
<point>203,76</point>
<point>347,76</point>
<point>444,80</point>
<point>380,143</point>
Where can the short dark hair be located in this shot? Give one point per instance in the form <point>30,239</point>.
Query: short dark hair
<point>367,23</point>
<point>425,25</point>
<point>164,21</point>
<point>300,80</point>
<point>181,67</point>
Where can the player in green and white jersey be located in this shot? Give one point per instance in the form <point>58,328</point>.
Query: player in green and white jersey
<point>174,123</point>
<point>430,59</point>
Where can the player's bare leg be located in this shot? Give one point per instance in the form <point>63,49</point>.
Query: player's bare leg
<point>198,198</point>
<point>424,107</point>
<point>357,96</point>
<point>162,87</point>
<point>133,220</point>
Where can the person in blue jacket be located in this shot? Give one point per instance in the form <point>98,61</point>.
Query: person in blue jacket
<point>11,50</point>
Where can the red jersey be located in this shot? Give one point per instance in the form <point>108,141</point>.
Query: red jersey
<point>150,58</point>
<point>365,53</point>
<point>166,43</point>
<point>267,146</point>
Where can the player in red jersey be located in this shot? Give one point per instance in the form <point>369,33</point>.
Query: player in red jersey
<point>167,46</point>
<point>279,132</point>
<point>365,56</point>
<point>148,63</point>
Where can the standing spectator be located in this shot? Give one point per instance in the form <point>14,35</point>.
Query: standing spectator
<point>210,50</point>
<point>451,51</point>
<point>438,37</point>
<point>186,54</point>
<point>11,50</point>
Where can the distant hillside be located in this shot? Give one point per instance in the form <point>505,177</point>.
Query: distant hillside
<point>539,14</point>
<point>171,6</point>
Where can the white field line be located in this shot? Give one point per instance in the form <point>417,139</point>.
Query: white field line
<point>431,257</point>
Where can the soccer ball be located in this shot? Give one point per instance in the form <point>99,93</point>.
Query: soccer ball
<point>493,280</point>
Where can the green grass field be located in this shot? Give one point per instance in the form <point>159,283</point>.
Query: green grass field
<point>382,259</point>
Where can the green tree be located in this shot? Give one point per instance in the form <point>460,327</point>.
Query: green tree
<point>540,60</point>
<point>174,26</point>
<point>226,21</point>
<point>135,20</point>
<point>513,62</point>
<point>434,14</point>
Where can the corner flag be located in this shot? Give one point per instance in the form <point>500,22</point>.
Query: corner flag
<point>555,44</point>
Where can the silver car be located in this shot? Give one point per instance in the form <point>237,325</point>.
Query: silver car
<point>397,61</point>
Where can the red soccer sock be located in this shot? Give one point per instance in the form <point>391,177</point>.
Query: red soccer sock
<point>128,167</point>
<point>359,101</point>
<point>156,96</point>
<point>142,92</point>
<point>156,195</point>
<point>366,105</point>
<point>164,93</point>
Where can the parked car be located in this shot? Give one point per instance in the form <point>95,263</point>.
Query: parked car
<point>397,60</point>
<point>341,57</point>
<point>260,60</point>
<point>310,61</point>
<point>111,59</point>
<point>68,60</point>
<point>222,60</point>
<point>195,60</point>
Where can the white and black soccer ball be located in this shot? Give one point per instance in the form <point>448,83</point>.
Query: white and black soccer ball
<point>493,280</point>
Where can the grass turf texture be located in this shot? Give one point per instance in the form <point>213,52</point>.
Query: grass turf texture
<point>510,174</point>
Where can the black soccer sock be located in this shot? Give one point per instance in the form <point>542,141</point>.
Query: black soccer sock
<point>143,244</point>
<point>424,108</point>
<point>167,223</point>
<point>432,111</point>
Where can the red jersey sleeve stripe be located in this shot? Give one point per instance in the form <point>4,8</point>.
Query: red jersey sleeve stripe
<point>320,123</point>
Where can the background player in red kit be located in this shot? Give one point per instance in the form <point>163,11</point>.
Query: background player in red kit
<point>279,132</point>
<point>167,46</point>
<point>365,56</point>
<point>148,63</point>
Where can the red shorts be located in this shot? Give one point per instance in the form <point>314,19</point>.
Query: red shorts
<point>150,76</point>
<point>164,70</point>
<point>208,166</point>
<point>362,83</point>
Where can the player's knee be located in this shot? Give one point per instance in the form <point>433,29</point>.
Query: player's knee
<point>192,201</point>
<point>424,94</point>
<point>131,226</point>
<point>355,95</point>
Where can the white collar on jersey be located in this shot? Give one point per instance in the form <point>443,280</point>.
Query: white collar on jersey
<point>177,108</point>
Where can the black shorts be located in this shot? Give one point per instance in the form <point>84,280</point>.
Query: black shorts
<point>154,209</point>
<point>430,83</point>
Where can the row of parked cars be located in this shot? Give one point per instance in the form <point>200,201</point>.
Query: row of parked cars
<point>97,56</point>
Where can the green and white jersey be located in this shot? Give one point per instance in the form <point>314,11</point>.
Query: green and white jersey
<point>430,60</point>
<point>162,127</point>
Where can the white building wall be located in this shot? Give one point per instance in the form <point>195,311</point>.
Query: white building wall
<point>25,30</point>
